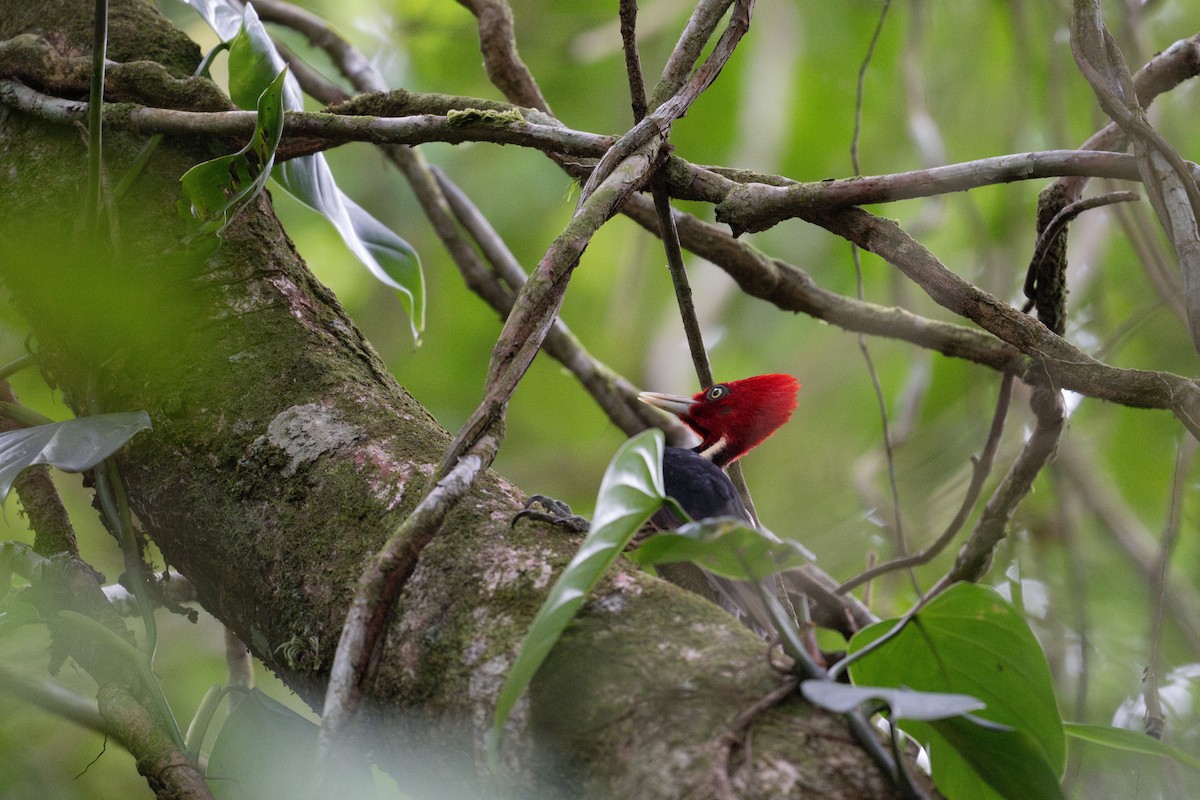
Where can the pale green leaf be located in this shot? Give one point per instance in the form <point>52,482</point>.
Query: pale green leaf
<point>75,445</point>
<point>901,703</point>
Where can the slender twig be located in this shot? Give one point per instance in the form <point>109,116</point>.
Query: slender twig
<point>1155,718</point>
<point>901,543</point>
<point>658,122</point>
<point>497,43</point>
<point>981,467</point>
<point>54,698</point>
<point>92,201</point>
<point>1052,358</point>
<point>976,553</point>
<point>615,395</point>
<point>705,18</point>
<point>1104,502</point>
<point>633,63</point>
<point>48,518</point>
<point>15,366</point>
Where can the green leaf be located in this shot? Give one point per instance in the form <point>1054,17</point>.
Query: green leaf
<point>266,751</point>
<point>630,493</point>
<point>1129,741</point>
<point>970,640</point>
<point>75,445</point>
<point>901,703</point>
<point>725,546</point>
<point>218,189</point>
<point>253,60</point>
<point>253,64</point>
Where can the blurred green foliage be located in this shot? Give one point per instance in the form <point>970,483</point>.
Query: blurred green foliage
<point>973,79</point>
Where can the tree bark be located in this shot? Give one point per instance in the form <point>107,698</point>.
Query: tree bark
<point>284,452</point>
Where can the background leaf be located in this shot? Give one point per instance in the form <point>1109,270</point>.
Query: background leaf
<point>970,640</point>
<point>1129,741</point>
<point>74,445</point>
<point>265,750</point>
<point>630,493</point>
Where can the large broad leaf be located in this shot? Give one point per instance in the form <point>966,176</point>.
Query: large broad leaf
<point>75,445</point>
<point>630,493</point>
<point>266,751</point>
<point>253,62</point>
<point>725,546</point>
<point>217,190</point>
<point>970,640</point>
<point>1129,741</point>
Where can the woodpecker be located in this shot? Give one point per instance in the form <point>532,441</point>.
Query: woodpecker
<point>731,419</point>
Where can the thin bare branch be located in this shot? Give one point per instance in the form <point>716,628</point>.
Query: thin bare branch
<point>981,467</point>
<point>378,585</point>
<point>1169,182</point>
<point>1053,358</point>
<point>695,35</point>
<point>1155,718</point>
<point>498,45</point>
<point>1132,538</point>
<point>976,554</point>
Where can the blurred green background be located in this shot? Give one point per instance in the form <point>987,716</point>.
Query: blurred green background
<point>948,82</point>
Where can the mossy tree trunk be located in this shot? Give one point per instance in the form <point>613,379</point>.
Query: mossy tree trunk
<point>283,453</point>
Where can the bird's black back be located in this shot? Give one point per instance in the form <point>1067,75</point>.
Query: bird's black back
<point>700,486</point>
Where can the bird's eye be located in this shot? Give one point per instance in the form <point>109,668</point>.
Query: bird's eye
<point>716,392</point>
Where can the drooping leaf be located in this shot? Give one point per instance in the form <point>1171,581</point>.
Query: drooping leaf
<point>389,258</point>
<point>1129,741</point>
<point>901,703</point>
<point>253,61</point>
<point>218,189</point>
<point>266,751</point>
<point>970,640</point>
<point>75,445</point>
<point>630,492</point>
<point>725,546</point>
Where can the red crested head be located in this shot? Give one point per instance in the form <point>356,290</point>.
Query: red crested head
<point>733,418</point>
